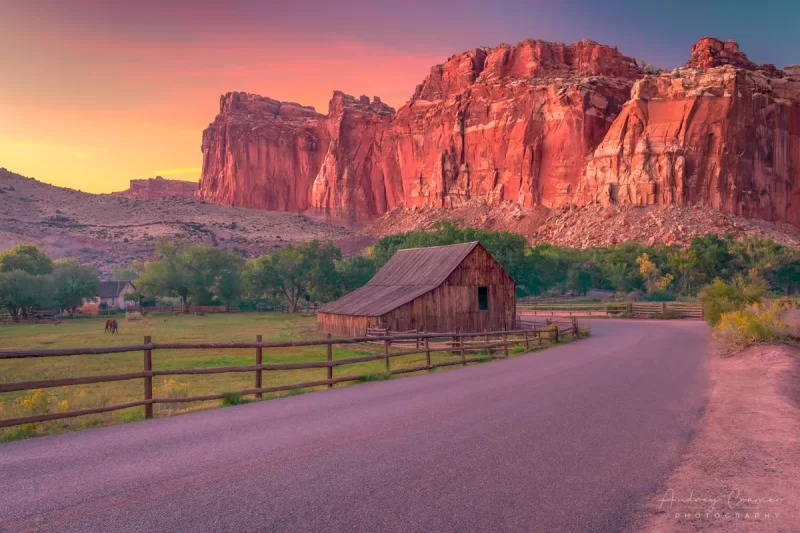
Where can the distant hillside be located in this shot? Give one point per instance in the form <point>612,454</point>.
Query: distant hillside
<point>109,231</point>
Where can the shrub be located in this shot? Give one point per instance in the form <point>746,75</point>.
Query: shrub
<point>133,315</point>
<point>720,297</point>
<point>380,376</point>
<point>754,323</point>
<point>233,398</point>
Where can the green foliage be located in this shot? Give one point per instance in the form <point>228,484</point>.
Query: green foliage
<point>25,431</point>
<point>233,398</point>
<point>720,297</point>
<point>196,273</point>
<point>71,283</point>
<point>379,376</point>
<point>27,258</point>
<point>22,293</point>
<point>131,272</point>
<point>292,272</point>
<point>355,272</point>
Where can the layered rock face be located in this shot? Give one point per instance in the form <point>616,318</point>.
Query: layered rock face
<point>261,153</point>
<point>720,132</point>
<point>534,124</point>
<point>352,182</point>
<point>512,123</point>
<point>158,187</point>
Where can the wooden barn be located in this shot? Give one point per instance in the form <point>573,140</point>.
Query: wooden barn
<point>438,289</point>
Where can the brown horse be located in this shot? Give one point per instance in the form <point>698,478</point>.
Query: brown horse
<point>111,325</point>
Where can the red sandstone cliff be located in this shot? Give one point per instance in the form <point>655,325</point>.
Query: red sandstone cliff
<point>512,123</point>
<point>158,187</point>
<point>721,132</point>
<point>535,124</point>
<point>261,153</point>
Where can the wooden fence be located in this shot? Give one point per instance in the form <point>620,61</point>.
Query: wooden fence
<point>496,343</point>
<point>616,309</point>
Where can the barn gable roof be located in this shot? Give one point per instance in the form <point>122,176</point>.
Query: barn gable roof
<point>409,274</point>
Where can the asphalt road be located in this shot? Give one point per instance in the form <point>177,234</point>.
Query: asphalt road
<point>571,439</point>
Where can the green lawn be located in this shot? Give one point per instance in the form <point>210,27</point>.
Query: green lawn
<point>240,327</point>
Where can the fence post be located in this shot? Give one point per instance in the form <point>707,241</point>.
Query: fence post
<point>386,352</point>
<point>488,348</point>
<point>556,331</point>
<point>148,380</point>
<point>259,360</point>
<point>428,352</point>
<point>463,354</point>
<point>417,338</point>
<point>330,358</point>
<point>505,344</point>
<point>574,327</point>
<point>527,344</point>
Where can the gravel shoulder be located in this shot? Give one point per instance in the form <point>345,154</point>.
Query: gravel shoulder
<point>742,471</point>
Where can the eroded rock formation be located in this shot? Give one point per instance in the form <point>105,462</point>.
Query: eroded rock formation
<point>158,187</point>
<point>534,124</point>
<point>717,135</point>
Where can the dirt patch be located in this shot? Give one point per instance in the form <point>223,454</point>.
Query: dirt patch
<point>742,471</point>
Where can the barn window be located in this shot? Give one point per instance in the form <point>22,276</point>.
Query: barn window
<point>483,298</point>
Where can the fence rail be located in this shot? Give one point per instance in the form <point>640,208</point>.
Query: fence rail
<point>496,344</point>
<point>616,309</point>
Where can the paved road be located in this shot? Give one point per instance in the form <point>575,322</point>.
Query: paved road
<point>571,439</point>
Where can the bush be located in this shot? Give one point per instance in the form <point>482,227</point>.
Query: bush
<point>133,315</point>
<point>233,398</point>
<point>720,297</point>
<point>755,323</point>
<point>660,296</point>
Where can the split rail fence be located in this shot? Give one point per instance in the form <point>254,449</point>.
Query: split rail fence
<point>460,345</point>
<point>613,309</point>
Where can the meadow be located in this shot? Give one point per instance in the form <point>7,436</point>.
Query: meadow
<point>241,327</point>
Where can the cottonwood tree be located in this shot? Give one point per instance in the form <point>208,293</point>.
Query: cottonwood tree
<point>27,258</point>
<point>292,272</point>
<point>195,273</point>
<point>22,293</point>
<point>71,283</point>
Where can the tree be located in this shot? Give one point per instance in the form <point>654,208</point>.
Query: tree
<point>720,297</point>
<point>22,292</point>
<point>292,272</point>
<point>196,273</point>
<point>355,272</point>
<point>682,263</point>
<point>169,276</point>
<point>27,258</point>
<point>71,283</point>
<point>131,272</point>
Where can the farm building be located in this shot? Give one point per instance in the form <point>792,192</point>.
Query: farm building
<point>112,294</point>
<point>438,289</point>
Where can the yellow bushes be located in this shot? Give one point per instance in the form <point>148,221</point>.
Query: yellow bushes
<point>759,322</point>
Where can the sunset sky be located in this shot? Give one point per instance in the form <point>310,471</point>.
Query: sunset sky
<point>95,93</point>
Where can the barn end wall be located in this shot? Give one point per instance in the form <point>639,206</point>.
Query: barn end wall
<point>343,325</point>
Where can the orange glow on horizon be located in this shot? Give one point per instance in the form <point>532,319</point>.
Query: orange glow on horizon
<point>91,111</point>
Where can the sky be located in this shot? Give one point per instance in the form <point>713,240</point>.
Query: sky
<point>95,93</point>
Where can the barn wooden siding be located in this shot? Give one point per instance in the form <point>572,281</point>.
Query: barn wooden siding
<point>452,305</point>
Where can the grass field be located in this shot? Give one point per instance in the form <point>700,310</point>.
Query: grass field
<point>241,327</point>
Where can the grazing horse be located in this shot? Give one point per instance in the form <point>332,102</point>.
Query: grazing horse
<point>111,325</point>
